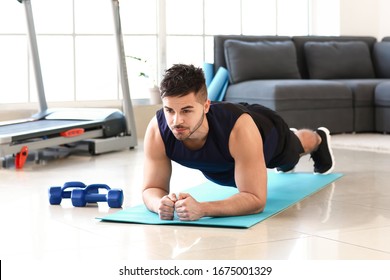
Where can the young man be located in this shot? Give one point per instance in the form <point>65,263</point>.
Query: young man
<point>232,144</point>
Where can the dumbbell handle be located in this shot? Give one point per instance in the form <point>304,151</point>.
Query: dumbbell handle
<point>66,194</point>
<point>80,197</point>
<point>71,185</point>
<point>95,197</point>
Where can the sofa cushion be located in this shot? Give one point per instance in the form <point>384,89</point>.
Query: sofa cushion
<point>382,95</point>
<point>382,107</point>
<point>301,103</point>
<point>338,60</point>
<point>300,41</point>
<point>260,60</point>
<point>283,95</point>
<point>363,90</point>
<point>382,59</point>
<point>219,45</point>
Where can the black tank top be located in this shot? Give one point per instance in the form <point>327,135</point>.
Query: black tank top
<point>214,159</point>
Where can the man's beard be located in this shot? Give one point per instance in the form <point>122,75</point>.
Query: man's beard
<point>181,137</point>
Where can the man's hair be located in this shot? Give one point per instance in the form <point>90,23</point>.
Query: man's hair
<point>182,79</point>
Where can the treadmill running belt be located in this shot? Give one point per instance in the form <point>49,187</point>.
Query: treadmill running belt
<point>43,128</point>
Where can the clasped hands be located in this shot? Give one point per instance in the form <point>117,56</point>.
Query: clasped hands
<point>185,206</point>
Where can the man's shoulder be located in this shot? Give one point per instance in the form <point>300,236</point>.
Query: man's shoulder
<point>226,108</point>
<point>224,104</point>
<point>152,128</point>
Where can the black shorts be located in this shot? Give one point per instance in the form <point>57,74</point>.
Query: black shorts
<point>282,148</point>
<point>291,153</point>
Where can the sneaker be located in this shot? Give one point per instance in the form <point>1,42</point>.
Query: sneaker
<point>323,156</point>
<point>280,170</point>
<point>291,170</point>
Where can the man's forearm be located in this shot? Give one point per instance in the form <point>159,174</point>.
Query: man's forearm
<point>236,205</point>
<point>152,197</point>
<point>188,209</point>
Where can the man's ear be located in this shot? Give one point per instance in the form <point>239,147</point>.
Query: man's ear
<point>207,106</point>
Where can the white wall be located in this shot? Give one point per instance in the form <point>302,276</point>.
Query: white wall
<point>365,18</point>
<point>324,17</point>
<point>384,19</point>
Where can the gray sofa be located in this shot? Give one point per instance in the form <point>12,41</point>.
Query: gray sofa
<point>341,82</point>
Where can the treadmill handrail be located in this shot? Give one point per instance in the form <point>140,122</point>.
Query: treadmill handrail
<point>122,71</point>
<point>35,54</point>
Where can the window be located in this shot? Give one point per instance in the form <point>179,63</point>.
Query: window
<point>292,17</point>
<point>259,17</point>
<point>78,55</point>
<point>13,69</point>
<point>13,54</point>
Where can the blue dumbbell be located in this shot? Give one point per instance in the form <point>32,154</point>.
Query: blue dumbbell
<point>80,197</point>
<point>56,194</point>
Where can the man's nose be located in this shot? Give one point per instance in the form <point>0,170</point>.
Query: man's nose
<point>177,119</point>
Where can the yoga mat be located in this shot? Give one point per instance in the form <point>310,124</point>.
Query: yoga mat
<point>284,190</point>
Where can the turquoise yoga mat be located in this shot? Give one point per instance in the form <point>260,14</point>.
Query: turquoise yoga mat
<point>284,190</point>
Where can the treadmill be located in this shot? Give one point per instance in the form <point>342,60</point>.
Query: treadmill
<point>100,129</point>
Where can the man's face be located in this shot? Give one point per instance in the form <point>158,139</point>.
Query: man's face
<point>184,115</point>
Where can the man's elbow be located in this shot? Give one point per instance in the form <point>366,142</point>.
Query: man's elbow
<point>145,194</point>
<point>260,206</point>
<point>255,204</point>
<point>258,210</point>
